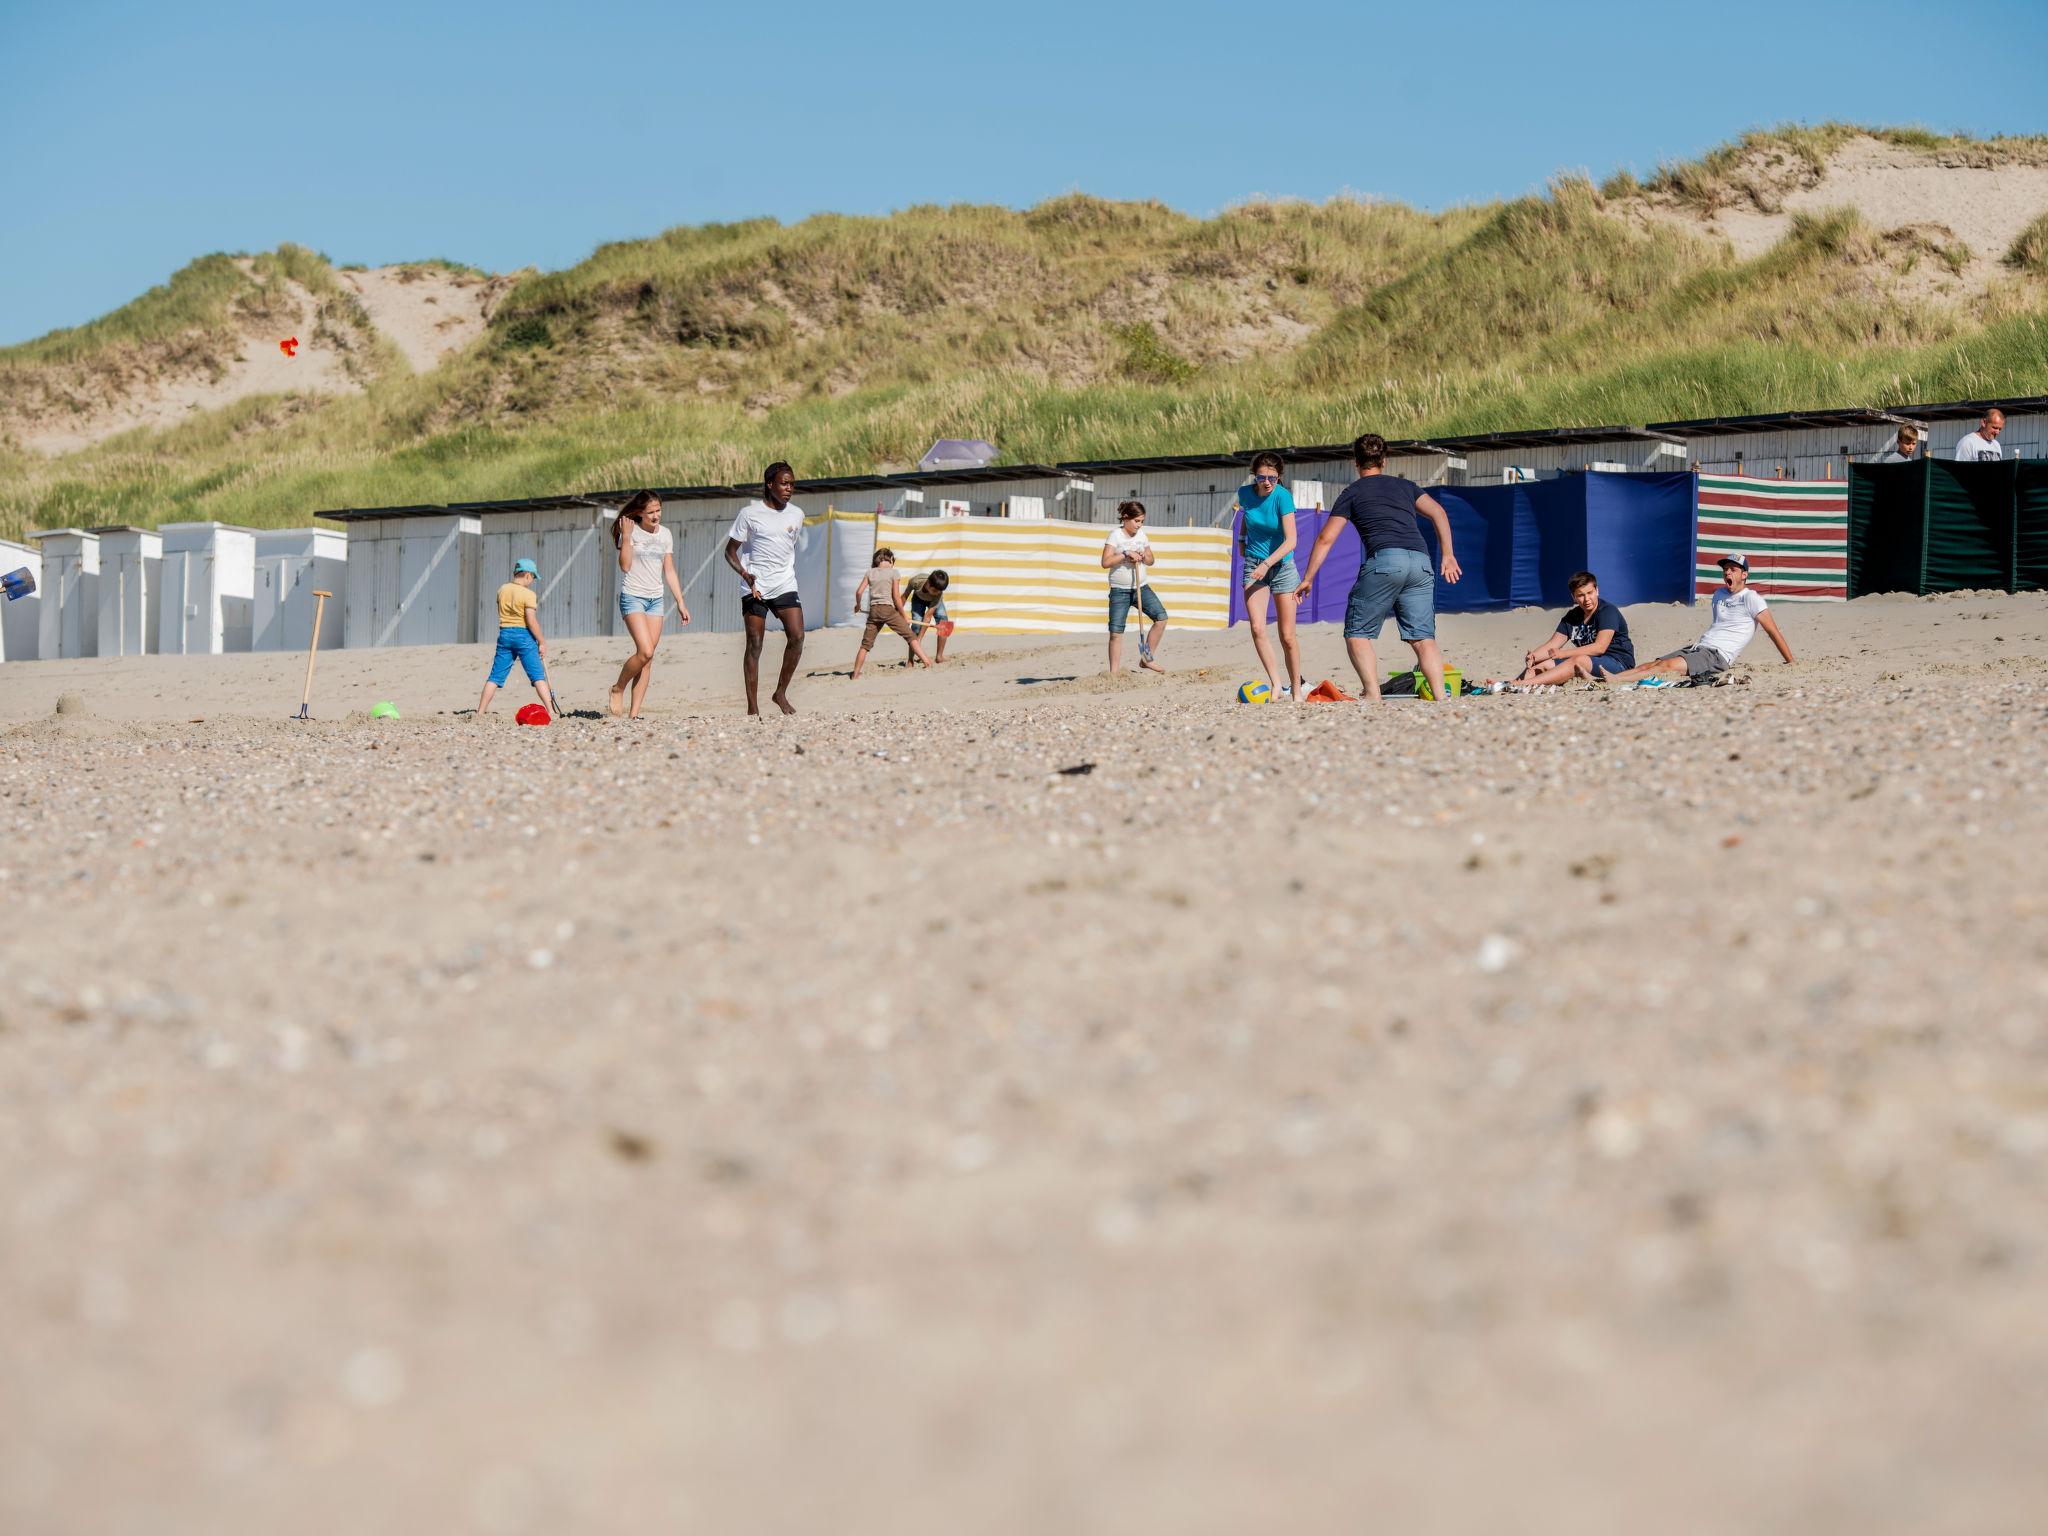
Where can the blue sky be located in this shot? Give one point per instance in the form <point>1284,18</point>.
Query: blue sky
<point>138,137</point>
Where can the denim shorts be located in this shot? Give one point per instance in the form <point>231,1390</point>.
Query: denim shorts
<point>518,643</point>
<point>1120,599</point>
<point>628,603</point>
<point>1280,580</point>
<point>1605,664</point>
<point>920,611</point>
<point>1397,582</point>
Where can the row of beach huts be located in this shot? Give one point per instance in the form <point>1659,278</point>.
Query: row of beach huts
<point>424,575</point>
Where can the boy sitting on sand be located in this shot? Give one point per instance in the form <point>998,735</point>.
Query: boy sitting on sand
<point>1737,613</point>
<point>519,636</point>
<point>882,588</point>
<point>1591,638</point>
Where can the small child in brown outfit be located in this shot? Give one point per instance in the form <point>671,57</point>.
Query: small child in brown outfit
<point>883,589</point>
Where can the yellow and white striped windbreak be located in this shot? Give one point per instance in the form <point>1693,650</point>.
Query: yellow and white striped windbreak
<point>1024,576</point>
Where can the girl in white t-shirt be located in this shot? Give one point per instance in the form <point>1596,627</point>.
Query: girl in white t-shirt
<point>1126,556</point>
<point>647,563</point>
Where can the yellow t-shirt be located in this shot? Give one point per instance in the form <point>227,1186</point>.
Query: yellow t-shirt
<point>513,601</point>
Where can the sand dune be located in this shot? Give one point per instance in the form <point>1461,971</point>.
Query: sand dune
<point>1931,198</point>
<point>426,311</point>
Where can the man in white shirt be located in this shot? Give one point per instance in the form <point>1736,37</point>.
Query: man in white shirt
<point>1981,446</point>
<point>1738,614</point>
<point>761,546</point>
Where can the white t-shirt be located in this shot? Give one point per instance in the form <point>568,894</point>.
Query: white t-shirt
<point>643,577</point>
<point>1122,543</point>
<point>1734,623</point>
<point>768,541</point>
<point>1975,447</point>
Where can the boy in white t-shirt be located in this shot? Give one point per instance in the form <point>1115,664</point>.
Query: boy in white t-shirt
<point>1125,555</point>
<point>1738,614</point>
<point>761,546</point>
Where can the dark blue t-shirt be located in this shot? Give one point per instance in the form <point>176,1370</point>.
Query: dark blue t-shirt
<point>1577,629</point>
<point>1382,509</point>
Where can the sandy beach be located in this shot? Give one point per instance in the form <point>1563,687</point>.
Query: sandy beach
<point>1594,1112</point>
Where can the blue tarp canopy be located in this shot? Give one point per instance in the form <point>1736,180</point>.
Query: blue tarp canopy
<point>1518,545</point>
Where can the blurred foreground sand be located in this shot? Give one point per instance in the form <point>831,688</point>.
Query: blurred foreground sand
<point>1595,1112</point>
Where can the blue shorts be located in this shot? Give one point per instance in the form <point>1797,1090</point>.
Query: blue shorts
<point>1609,665</point>
<point>628,603</point>
<point>517,642</point>
<point>1280,580</point>
<point>1397,582</point>
<point>920,611</point>
<point>1120,599</point>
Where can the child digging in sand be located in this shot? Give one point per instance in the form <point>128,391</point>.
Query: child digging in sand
<point>882,588</point>
<point>519,637</point>
<point>928,609</point>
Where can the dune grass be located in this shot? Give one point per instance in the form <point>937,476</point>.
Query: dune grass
<point>1077,329</point>
<point>2029,251</point>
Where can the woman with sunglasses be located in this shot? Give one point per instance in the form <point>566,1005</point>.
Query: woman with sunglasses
<point>1265,533</point>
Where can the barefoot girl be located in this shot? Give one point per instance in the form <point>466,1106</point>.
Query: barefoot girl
<point>647,563</point>
<point>882,588</point>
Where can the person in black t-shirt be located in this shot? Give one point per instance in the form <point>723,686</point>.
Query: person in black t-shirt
<point>1591,639</point>
<point>1394,578</point>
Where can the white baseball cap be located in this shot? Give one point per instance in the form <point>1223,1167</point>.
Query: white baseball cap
<point>1741,560</point>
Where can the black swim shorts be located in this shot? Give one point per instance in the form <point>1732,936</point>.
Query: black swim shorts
<point>760,607</point>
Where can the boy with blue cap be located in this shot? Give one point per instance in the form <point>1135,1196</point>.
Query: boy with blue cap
<point>519,637</point>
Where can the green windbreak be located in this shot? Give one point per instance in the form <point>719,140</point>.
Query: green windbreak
<point>1969,527</point>
<point>1887,526</point>
<point>2032,534</point>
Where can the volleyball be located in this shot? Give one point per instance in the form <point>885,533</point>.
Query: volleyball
<point>1255,693</point>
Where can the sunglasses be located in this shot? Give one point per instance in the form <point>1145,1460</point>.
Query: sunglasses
<point>1265,479</point>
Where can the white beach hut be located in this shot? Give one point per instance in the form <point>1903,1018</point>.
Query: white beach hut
<point>291,565</point>
<point>19,616</point>
<point>412,576</point>
<point>208,597</point>
<point>131,565</point>
<point>68,624</point>
<point>570,539</point>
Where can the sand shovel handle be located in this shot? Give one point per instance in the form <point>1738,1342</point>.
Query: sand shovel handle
<point>313,650</point>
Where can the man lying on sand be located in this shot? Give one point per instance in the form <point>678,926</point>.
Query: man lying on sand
<point>1737,613</point>
<point>1591,638</point>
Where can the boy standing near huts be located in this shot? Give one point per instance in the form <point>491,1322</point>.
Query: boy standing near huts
<point>1738,613</point>
<point>519,638</point>
<point>1125,555</point>
<point>761,546</point>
